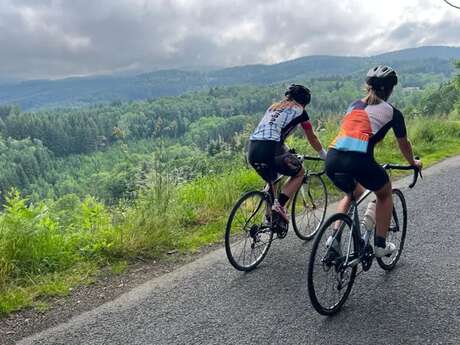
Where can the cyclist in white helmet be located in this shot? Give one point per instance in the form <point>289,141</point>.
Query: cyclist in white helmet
<point>366,122</point>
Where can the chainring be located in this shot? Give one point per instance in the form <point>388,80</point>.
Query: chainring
<point>280,226</point>
<point>368,257</point>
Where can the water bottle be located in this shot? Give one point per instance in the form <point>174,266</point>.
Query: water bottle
<point>368,221</point>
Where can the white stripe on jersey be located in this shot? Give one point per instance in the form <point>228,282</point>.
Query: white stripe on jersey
<point>379,115</point>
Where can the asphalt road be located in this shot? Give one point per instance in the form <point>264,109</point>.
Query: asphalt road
<point>208,302</point>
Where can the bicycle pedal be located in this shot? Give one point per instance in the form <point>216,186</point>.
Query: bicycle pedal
<point>281,231</point>
<point>280,226</point>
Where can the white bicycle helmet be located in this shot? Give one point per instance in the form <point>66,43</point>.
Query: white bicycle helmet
<point>381,77</point>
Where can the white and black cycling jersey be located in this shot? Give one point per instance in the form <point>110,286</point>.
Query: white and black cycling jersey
<point>279,121</point>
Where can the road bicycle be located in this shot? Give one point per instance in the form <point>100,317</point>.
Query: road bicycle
<point>252,225</point>
<point>332,271</point>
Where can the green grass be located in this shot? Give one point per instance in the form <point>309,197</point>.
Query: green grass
<point>36,292</point>
<point>119,267</point>
<point>50,247</point>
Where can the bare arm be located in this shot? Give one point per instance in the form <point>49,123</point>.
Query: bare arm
<point>313,139</point>
<point>406,149</point>
<point>404,144</point>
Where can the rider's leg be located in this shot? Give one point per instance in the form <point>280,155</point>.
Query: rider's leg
<point>344,204</point>
<point>383,210</point>
<point>335,238</point>
<point>292,185</point>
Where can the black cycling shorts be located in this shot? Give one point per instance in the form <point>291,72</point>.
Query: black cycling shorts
<point>271,158</point>
<point>360,166</point>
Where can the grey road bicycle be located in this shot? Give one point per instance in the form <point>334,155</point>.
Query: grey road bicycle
<point>252,225</point>
<point>332,271</point>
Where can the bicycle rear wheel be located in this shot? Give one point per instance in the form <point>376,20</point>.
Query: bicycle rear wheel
<point>397,231</point>
<point>330,276</point>
<point>309,207</point>
<point>249,233</point>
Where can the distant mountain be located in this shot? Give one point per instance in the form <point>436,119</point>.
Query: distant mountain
<point>428,52</point>
<point>98,89</point>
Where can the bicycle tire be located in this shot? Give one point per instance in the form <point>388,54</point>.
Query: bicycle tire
<point>396,228</point>
<point>308,214</point>
<point>315,256</point>
<point>253,234</point>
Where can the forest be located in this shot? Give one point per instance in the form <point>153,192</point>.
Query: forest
<point>54,152</point>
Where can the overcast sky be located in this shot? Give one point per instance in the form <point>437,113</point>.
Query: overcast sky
<point>58,38</point>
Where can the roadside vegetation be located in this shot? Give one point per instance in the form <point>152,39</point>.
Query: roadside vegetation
<point>129,196</point>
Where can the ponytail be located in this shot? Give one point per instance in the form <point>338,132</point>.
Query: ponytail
<point>376,96</point>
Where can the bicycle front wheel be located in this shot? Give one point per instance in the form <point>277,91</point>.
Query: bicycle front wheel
<point>333,264</point>
<point>309,207</point>
<point>397,230</point>
<point>249,232</point>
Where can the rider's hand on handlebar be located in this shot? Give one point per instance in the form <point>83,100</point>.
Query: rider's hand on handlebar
<point>322,154</point>
<point>418,163</point>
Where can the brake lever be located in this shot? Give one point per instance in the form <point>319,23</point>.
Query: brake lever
<point>414,180</point>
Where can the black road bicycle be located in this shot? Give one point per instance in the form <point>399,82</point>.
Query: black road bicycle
<point>332,272</point>
<point>252,225</point>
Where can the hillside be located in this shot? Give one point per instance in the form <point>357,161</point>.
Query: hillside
<point>90,90</point>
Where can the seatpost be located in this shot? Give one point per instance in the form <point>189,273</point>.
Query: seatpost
<point>353,209</point>
<point>271,190</point>
<point>352,201</point>
<point>352,196</point>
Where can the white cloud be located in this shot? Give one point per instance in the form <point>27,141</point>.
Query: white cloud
<point>53,38</point>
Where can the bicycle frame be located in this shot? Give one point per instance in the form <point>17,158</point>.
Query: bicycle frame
<point>356,229</point>
<point>363,241</point>
<point>274,187</point>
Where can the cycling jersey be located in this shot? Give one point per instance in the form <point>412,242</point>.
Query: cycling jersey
<point>280,120</point>
<point>365,125</point>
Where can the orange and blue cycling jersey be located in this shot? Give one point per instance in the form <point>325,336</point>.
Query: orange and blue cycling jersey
<point>365,125</point>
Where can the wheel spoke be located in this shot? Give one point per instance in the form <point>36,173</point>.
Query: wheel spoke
<point>309,207</point>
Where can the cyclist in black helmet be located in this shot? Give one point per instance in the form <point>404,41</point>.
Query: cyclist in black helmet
<point>352,152</point>
<point>267,152</point>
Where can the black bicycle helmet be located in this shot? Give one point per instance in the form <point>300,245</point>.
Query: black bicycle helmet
<point>298,93</point>
<point>381,78</point>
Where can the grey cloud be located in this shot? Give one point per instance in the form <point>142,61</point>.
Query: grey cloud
<point>56,38</point>
<point>446,32</point>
